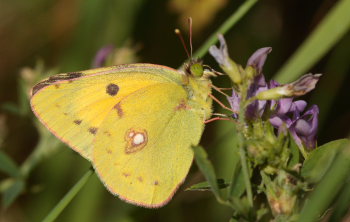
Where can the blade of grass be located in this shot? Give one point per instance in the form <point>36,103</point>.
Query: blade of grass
<point>336,70</point>
<point>227,25</point>
<point>322,39</point>
<point>68,197</point>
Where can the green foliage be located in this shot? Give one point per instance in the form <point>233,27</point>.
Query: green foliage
<point>207,169</point>
<point>8,166</point>
<point>205,186</point>
<point>320,160</point>
<point>329,186</point>
<point>10,194</point>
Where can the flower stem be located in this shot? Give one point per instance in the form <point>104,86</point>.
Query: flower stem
<point>246,176</point>
<point>227,25</point>
<point>242,152</point>
<point>68,197</point>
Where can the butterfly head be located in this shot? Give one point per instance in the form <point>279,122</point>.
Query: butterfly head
<point>194,68</point>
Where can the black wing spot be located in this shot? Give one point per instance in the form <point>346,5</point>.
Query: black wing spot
<point>112,89</point>
<point>77,121</point>
<point>93,130</point>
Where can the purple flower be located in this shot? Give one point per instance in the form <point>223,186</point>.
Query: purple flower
<point>102,55</point>
<point>257,60</point>
<point>302,126</point>
<point>234,101</point>
<point>256,108</point>
<point>285,114</point>
<point>221,54</point>
<point>222,57</point>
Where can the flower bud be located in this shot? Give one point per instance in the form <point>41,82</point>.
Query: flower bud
<point>227,65</point>
<point>257,60</point>
<point>297,88</point>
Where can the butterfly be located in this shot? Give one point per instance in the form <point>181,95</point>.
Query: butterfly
<point>135,123</point>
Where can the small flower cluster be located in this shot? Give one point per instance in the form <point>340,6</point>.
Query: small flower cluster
<point>272,100</point>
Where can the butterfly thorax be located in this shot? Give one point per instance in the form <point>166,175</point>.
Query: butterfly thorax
<point>198,89</point>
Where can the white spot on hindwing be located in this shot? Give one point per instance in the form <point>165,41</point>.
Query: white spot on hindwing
<point>136,140</point>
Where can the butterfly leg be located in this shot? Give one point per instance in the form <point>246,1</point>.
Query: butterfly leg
<point>220,103</point>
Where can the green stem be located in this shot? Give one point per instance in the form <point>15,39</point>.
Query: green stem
<point>246,176</point>
<point>68,197</point>
<point>242,151</point>
<point>227,25</point>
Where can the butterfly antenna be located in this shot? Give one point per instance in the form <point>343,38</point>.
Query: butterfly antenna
<point>190,26</point>
<point>178,33</point>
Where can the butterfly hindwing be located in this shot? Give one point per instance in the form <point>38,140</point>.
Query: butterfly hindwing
<point>142,151</point>
<point>73,105</point>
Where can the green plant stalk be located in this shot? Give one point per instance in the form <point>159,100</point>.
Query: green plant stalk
<point>241,143</point>
<point>246,176</point>
<point>68,197</point>
<point>322,39</point>
<point>227,25</point>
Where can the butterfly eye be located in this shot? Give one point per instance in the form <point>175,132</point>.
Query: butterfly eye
<point>196,69</point>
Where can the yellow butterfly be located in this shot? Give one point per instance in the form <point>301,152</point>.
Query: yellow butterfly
<point>136,123</point>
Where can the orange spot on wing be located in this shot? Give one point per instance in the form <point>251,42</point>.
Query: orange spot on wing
<point>119,110</point>
<point>182,105</point>
<point>107,133</point>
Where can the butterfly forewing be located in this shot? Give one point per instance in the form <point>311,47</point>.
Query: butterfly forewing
<point>73,105</point>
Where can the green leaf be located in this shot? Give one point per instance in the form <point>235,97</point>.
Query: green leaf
<point>342,205</point>
<point>12,192</point>
<point>320,160</point>
<point>332,182</point>
<point>207,169</point>
<point>237,186</point>
<point>8,166</point>
<point>205,186</point>
<point>294,153</point>
<point>322,39</point>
